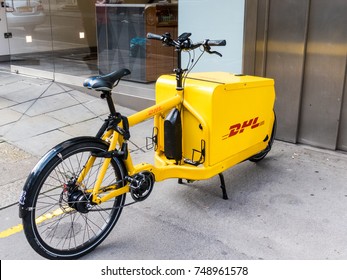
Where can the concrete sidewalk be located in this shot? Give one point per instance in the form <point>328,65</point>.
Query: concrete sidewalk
<point>292,205</point>
<point>36,114</point>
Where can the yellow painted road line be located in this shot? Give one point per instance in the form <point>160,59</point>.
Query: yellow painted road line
<point>10,231</point>
<point>18,228</point>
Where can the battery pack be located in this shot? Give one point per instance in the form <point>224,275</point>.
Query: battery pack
<point>173,135</point>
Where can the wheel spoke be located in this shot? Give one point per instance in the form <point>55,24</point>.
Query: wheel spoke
<point>57,223</point>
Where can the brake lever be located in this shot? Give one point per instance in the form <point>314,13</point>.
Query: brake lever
<point>214,52</point>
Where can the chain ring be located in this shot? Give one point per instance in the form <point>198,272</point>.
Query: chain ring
<point>145,182</point>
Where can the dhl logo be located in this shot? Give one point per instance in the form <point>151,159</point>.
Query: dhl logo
<point>240,127</point>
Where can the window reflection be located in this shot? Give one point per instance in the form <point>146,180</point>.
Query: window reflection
<point>24,14</point>
<point>87,37</point>
<point>29,25</point>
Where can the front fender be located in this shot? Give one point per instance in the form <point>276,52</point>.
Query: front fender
<point>34,175</point>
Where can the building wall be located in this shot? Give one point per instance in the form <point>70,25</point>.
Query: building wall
<point>219,19</point>
<point>302,45</point>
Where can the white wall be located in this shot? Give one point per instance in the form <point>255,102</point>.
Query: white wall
<point>217,19</point>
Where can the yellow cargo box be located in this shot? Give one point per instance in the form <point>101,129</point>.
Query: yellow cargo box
<point>224,115</point>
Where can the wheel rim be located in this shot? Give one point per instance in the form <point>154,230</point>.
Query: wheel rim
<point>62,230</point>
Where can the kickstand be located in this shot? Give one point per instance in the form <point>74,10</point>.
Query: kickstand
<point>225,195</point>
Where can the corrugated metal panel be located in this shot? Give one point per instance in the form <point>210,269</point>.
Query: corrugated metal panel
<point>285,61</point>
<point>302,45</point>
<point>250,35</point>
<point>342,139</point>
<point>261,42</point>
<point>324,74</point>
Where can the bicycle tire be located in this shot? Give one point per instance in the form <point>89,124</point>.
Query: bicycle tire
<point>260,156</point>
<point>66,233</point>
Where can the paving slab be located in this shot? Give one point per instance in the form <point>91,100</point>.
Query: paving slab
<point>6,103</point>
<point>23,107</point>
<point>8,127</point>
<point>29,127</point>
<point>97,106</point>
<point>53,89</point>
<point>9,78</point>
<point>73,114</point>
<point>40,144</point>
<point>85,128</point>
<point>22,92</point>
<point>81,97</point>
<point>15,165</point>
<point>8,116</point>
<point>49,104</point>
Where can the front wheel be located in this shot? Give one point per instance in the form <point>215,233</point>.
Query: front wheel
<point>258,157</point>
<point>62,223</point>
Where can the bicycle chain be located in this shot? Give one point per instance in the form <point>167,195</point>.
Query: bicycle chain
<point>118,207</point>
<point>112,208</point>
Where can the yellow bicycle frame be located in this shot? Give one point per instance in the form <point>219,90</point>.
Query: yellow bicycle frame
<point>116,138</point>
<point>241,145</point>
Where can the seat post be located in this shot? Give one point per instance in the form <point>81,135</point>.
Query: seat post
<point>108,96</point>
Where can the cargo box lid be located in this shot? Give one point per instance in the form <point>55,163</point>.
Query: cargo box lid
<point>232,81</point>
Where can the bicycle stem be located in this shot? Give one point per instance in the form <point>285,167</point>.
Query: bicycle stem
<point>179,70</point>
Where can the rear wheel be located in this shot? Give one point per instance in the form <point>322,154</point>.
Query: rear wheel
<point>63,223</point>
<point>258,157</point>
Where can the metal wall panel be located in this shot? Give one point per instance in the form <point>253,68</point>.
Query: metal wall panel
<point>250,35</point>
<point>261,40</point>
<point>342,138</point>
<point>303,46</point>
<point>285,61</point>
<point>324,74</point>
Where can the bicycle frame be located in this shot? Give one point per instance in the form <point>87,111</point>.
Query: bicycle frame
<point>115,138</point>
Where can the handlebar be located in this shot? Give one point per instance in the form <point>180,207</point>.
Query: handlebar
<point>154,36</point>
<point>184,43</point>
<point>216,42</point>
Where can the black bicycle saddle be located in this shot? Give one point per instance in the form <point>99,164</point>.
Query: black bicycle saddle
<point>105,82</point>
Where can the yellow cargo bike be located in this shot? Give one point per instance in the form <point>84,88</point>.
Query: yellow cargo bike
<point>204,123</point>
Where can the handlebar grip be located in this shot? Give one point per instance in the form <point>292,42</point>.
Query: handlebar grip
<point>216,43</point>
<point>154,36</point>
